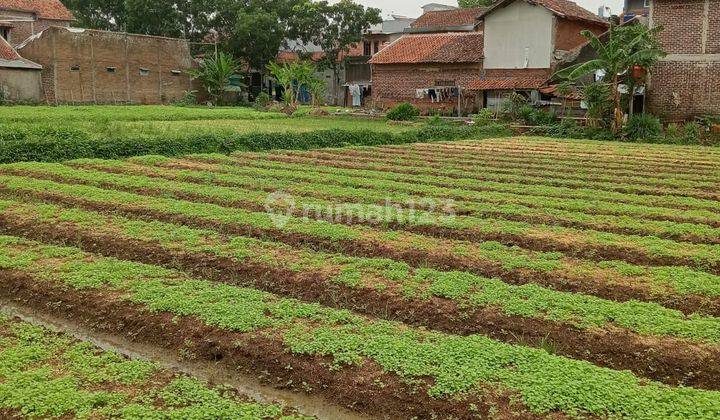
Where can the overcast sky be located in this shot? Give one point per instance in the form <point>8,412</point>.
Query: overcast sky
<point>411,8</point>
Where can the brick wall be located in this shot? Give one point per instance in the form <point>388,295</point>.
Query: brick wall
<point>567,33</point>
<point>108,67</point>
<point>683,23</point>
<point>713,41</point>
<point>687,83</point>
<point>23,30</point>
<point>396,83</point>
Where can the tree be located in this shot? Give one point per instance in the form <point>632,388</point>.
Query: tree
<point>340,26</point>
<point>469,4</point>
<point>257,37</point>
<point>215,73</point>
<point>626,47</point>
<point>107,15</point>
<point>152,17</point>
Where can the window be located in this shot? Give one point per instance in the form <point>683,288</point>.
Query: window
<point>647,3</point>
<point>74,68</point>
<point>110,69</point>
<point>144,72</point>
<point>377,47</point>
<point>367,48</point>
<point>5,33</point>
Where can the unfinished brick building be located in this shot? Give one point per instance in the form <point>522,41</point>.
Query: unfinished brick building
<point>686,83</point>
<point>90,66</point>
<point>21,19</point>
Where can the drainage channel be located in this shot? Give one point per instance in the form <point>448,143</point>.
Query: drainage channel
<point>206,371</point>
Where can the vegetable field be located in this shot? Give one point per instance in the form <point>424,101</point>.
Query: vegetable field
<point>510,278</point>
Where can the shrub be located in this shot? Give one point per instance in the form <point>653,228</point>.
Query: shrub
<point>65,146</point>
<point>262,100</point>
<point>403,112</point>
<point>512,107</point>
<point>484,117</point>
<point>643,127</point>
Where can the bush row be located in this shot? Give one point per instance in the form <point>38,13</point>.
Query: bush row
<point>73,144</point>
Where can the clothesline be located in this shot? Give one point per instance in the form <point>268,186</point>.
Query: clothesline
<point>439,93</point>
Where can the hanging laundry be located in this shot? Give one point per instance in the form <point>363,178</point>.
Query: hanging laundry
<point>356,93</point>
<point>433,95</point>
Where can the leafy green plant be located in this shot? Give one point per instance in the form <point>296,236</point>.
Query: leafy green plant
<point>627,46</point>
<point>643,127</point>
<point>512,106</point>
<point>215,73</point>
<point>403,112</point>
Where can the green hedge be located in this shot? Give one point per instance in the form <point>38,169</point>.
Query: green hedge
<point>67,145</point>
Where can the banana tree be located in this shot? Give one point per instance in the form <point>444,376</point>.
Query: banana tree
<point>215,74</point>
<point>626,46</point>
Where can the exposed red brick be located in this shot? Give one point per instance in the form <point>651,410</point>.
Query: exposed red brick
<point>76,66</point>
<point>465,47</point>
<point>445,18</point>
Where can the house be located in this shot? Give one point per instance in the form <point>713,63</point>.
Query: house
<point>686,83</point>
<point>431,64</point>
<point>524,42</point>
<point>486,53</point>
<point>636,9</point>
<point>430,70</point>
<point>19,77</point>
<point>73,65</point>
<point>21,19</point>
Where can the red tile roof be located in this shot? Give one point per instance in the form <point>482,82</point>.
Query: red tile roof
<point>506,83</point>
<point>458,17</point>
<point>562,8</point>
<point>10,58</point>
<point>450,47</point>
<point>45,9</point>
<point>7,52</point>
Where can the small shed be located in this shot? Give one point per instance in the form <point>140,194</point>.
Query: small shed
<point>20,79</point>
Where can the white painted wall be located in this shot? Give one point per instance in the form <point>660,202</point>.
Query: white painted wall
<point>519,36</point>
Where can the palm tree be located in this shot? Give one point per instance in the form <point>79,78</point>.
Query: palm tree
<point>626,47</point>
<point>215,74</point>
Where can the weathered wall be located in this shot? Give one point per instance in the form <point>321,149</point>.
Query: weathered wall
<point>25,25</point>
<point>396,83</point>
<point>686,83</point>
<point>20,85</point>
<point>567,33</point>
<point>519,36</point>
<point>86,66</point>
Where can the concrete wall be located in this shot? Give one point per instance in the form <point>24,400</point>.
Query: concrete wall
<point>86,66</point>
<point>20,85</point>
<point>686,83</point>
<point>519,36</point>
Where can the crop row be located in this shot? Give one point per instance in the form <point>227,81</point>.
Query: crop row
<point>44,374</point>
<point>667,151</point>
<point>512,224</point>
<point>416,164</point>
<point>468,187</point>
<point>479,201</point>
<point>661,161</point>
<point>617,167</point>
<point>460,370</point>
<point>564,212</point>
<point>612,278</point>
<point>483,305</point>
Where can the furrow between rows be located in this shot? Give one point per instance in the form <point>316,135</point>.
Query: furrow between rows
<point>352,359</point>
